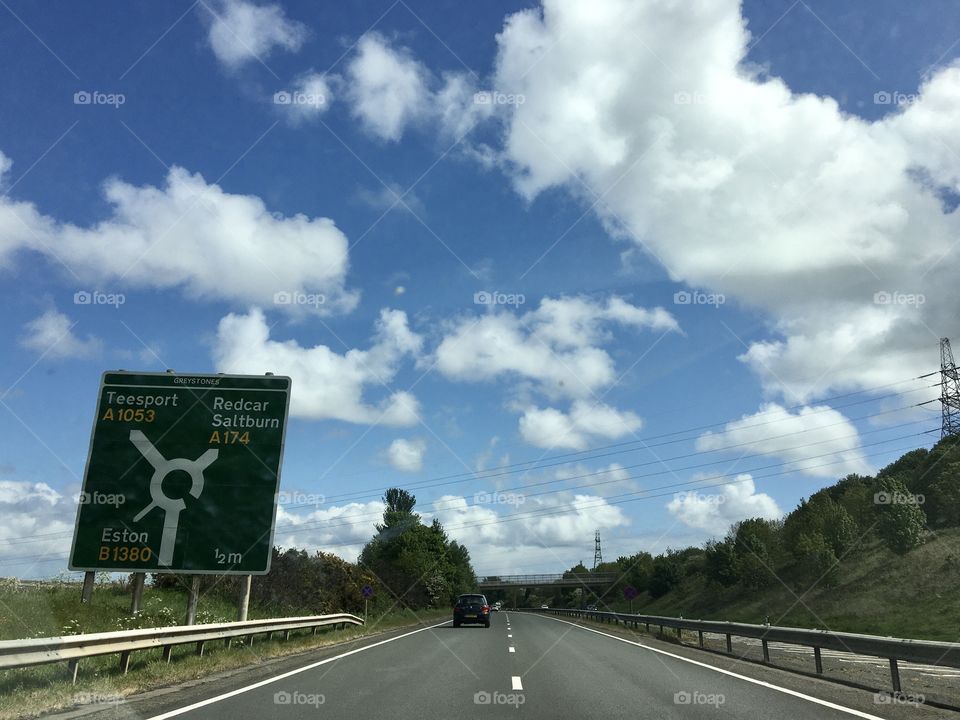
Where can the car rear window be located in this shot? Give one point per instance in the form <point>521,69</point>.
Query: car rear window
<point>467,599</point>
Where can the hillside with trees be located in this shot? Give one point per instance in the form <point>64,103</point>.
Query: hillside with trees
<point>877,554</point>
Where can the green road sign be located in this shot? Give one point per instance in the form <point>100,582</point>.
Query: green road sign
<point>182,474</point>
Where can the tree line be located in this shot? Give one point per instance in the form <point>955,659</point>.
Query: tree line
<point>902,506</point>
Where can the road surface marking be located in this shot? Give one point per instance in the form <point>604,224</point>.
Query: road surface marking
<point>254,686</point>
<point>508,635</point>
<point>762,683</point>
<point>517,685</point>
<point>512,649</point>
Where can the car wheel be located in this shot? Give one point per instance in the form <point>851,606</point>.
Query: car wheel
<point>486,624</point>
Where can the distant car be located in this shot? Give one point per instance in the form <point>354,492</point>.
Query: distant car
<point>591,607</point>
<point>495,607</point>
<point>544,607</point>
<point>471,609</point>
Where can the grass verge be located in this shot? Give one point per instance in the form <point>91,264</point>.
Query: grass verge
<point>29,692</point>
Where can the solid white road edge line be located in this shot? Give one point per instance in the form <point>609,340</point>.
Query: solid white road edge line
<point>762,683</point>
<point>517,685</point>
<point>311,666</point>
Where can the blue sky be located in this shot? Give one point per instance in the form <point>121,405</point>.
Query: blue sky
<point>790,164</point>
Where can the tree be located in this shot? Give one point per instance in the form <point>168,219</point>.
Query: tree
<point>942,504</point>
<point>721,564</point>
<point>417,564</point>
<point>901,523</point>
<point>666,574</point>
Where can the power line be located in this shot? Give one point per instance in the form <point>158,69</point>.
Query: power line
<point>558,511</point>
<point>663,461</point>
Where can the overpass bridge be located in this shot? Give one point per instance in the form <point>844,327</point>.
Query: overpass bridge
<point>562,580</point>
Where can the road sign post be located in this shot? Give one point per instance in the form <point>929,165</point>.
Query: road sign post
<point>182,474</point>
<point>244,605</point>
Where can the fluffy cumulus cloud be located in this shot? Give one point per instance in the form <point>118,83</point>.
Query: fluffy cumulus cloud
<point>182,236</point>
<point>309,97</point>
<point>553,351</point>
<point>52,336</point>
<point>544,529</point>
<point>242,31</point>
<point>814,440</point>
<point>389,91</point>
<point>554,346</point>
<point>387,87</point>
<point>587,422</point>
<point>717,510</point>
<point>832,225</point>
<point>326,385</point>
<point>406,455</point>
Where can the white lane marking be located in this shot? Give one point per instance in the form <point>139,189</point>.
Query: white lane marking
<point>508,635</point>
<point>517,685</point>
<point>224,696</point>
<point>762,683</point>
<point>512,649</point>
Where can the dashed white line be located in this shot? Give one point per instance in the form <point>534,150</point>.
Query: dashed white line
<point>512,649</point>
<point>517,685</point>
<point>509,635</point>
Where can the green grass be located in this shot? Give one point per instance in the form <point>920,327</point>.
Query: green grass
<point>56,610</point>
<point>876,592</point>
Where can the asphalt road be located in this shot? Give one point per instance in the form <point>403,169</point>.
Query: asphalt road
<point>523,665</point>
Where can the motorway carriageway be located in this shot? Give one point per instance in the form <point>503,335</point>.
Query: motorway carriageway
<point>524,665</point>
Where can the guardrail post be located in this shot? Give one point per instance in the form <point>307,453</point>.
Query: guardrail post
<point>648,627</point>
<point>286,635</point>
<point>124,662</point>
<point>678,632</point>
<point>700,637</point>
<point>72,667</point>
<point>818,660</point>
<point>167,652</point>
<point>895,675</point>
<point>766,651</point>
<point>729,644</point>
<point>192,600</point>
<point>200,648</point>
<point>136,596</point>
<point>87,593</point>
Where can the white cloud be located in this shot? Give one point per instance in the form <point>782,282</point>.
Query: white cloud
<point>389,91</point>
<point>52,336</point>
<point>309,97</point>
<point>586,423</point>
<point>554,345</point>
<point>406,455</point>
<point>244,31</point>
<point>37,521</point>
<point>339,529</point>
<point>326,385</point>
<point>723,506</point>
<point>386,87</point>
<point>796,438</point>
<point>553,351</point>
<point>733,182</point>
<point>182,236</point>
<point>566,520</point>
